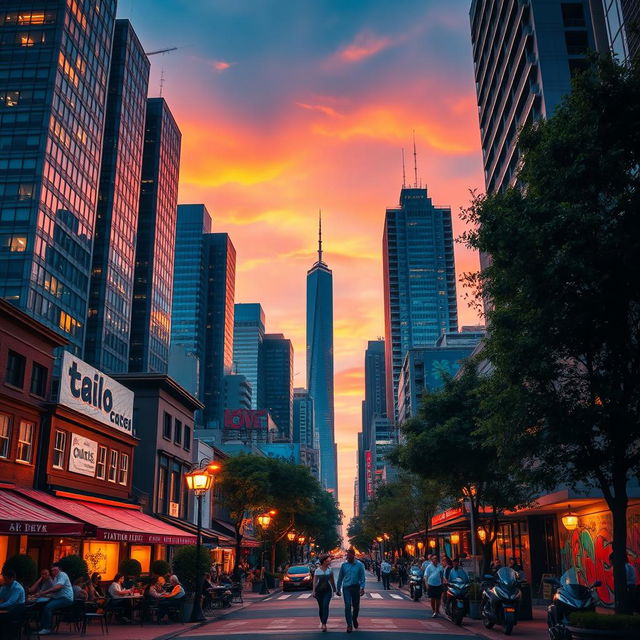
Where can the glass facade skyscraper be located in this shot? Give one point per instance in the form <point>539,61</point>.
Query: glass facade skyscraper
<point>320,366</point>
<point>248,333</point>
<point>419,281</point>
<point>303,413</point>
<point>151,313</point>
<point>111,294</point>
<point>277,353</point>
<point>54,64</point>
<point>220,296</point>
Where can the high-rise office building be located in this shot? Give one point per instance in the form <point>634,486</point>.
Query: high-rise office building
<point>111,294</point>
<point>248,333</point>
<point>277,354</point>
<point>320,364</point>
<point>54,70</point>
<point>190,282</point>
<point>152,293</point>
<point>303,414</point>
<point>237,392</point>
<point>623,27</point>
<point>524,55</point>
<point>419,281</point>
<point>220,297</point>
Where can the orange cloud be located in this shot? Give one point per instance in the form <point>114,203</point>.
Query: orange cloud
<point>221,65</point>
<point>328,111</point>
<point>365,45</point>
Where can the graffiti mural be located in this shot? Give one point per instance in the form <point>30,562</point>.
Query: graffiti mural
<point>588,548</point>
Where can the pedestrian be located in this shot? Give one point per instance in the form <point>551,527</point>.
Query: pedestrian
<point>352,577</point>
<point>385,570</point>
<point>43,583</point>
<point>402,574</point>
<point>323,588</point>
<point>433,582</point>
<point>61,594</point>
<point>377,570</point>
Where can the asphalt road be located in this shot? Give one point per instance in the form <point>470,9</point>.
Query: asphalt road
<point>294,616</point>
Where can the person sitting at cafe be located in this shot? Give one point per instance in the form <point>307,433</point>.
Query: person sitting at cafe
<point>95,592</point>
<point>60,594</point>
<point>119,594</point>
<point>156,589</point>
<point>168,600</point>
<point>43,583</point>
<point>11,601</point>
<point>80,590</point>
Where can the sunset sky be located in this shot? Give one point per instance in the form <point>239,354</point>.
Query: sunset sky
<point>288,106</point>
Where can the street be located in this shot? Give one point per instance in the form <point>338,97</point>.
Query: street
<point>295,615</point>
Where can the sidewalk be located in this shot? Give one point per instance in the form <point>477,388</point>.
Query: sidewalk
<point>152,631</point>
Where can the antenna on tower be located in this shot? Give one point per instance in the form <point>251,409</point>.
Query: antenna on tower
<point>161,81</point>
<point>404,178</point>
<point>415,159</point>
<point>319,235</point>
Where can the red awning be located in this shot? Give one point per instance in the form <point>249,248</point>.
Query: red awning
<point>115,524</point>
<point>19,516</point>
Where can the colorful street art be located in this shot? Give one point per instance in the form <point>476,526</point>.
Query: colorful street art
<point>588,547</point>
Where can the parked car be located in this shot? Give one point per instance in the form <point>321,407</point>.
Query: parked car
<point>297,577</point>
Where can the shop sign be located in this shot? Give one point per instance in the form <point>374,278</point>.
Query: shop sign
<point>83,455</point>
<point>27,528</point>
<point>246,419</point>
<point>94,394</point>
<point>449,514</point>
<point>143,538</point>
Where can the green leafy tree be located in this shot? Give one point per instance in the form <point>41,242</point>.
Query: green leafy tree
<point>467,465</point>
<point>565,294</point>
<point>74,566</point>
<point>187,563</point>
<point>25,568</point>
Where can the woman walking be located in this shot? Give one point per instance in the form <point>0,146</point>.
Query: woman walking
<point>323,588</point>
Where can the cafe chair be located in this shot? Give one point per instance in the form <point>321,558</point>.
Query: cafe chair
<point>101,615</point>
<point>236,593</point>
<point>73,615</point>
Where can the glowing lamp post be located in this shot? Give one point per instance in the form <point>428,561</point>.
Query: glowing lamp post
<point>291,536</point>
<point>455,538</point>
<point>264,520</point>
<point>420,545</point>
<point>200,480</point>
<point>482,534</point>
<point>570,520</point>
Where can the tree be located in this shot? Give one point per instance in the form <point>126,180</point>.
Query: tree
<point>467,465</point>
<point>564,293</point>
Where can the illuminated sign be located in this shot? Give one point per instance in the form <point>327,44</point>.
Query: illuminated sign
<point>449,514</point>
<point>94,394</point>
<point>246,419</point>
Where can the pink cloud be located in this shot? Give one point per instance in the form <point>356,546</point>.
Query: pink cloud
<point>365,45</point>
<point>221,65</point>
<point>328,111</point>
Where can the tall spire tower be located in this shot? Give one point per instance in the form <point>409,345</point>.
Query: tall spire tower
<point>320,363</point>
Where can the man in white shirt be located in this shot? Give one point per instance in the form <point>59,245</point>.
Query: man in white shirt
<point>433,583</point>
<point>385,570</point>
<point>60,594</point>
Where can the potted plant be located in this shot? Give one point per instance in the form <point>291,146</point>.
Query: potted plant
<point>587,626</point>
<point>160,568</point>
<point>131,568</point>
<point>25,568</point>
<point>74,566</point>
<point>189,568</point>
<point>475,596</point>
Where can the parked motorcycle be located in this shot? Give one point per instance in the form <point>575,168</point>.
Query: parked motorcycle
<point>500,598</point>
<point>415,583</point>
<point>569,596</point>
<point>457,601</point>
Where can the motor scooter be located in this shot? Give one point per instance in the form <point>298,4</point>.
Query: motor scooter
<point>415,583</point>
<point>457,600</point>
<point>569,596</point>
<point>500,598</point>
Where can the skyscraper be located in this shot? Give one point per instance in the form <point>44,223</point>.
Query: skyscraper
<point>623,27</point>
<point>524,56</point>
<point>220,296</point>
<point>111,294</point>
<point>320,364</point>
<point>53,84</point>
<point>151,314</point>
<point>303,414</point>
<point>277,354</point>
<point>188,310</point>
<point>419,281</point>
<point>248,333</point>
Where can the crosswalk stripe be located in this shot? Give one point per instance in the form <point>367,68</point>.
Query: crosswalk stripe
<point>284,596</point>
<point>304,596</point>
<point>396,596</point>
<point>377,596</point>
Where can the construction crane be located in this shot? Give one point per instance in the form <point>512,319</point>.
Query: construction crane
<point>155,53</point>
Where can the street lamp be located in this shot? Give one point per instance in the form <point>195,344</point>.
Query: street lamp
<point>570,520</point>
<point>420,547</point>
<point>200,480</point>
<point>291,536</point>
<point>482,534</point>
<point>455,538</point>
<point>264,520</point>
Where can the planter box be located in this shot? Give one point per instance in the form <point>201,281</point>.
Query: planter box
<point>474,609</point>
<point>601,634</point>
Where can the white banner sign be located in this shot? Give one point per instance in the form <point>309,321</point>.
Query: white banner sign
<point>95,394</point>
<point>83,455</point>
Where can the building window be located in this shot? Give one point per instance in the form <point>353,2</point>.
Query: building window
<point>38,380</point>
<point>187,437</point>
<point>123,472</point>
<point>162,486</point>
<point>166,428</point>
<point>113,466</point>
<point>25,441</point>
<point>101,465</point>
<point>59,446</point>
<point>177,432</point>
<point>5,435</point>
<point>15,369</point>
